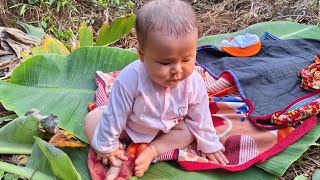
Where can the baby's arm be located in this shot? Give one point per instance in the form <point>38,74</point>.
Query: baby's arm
<point>207,140</point>
<point>200,123</point>
<point>105,140</point>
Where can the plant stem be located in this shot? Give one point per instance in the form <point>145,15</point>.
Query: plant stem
<point>5,149</point>
<point>23,171</point>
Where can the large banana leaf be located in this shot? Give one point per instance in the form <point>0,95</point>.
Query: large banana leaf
<point>61,85</point>
<point>79,157</point>
<point>38,161</point>
<point>46,164</point>
<point>16,137</point>
<point>280,29</point>
<point>170,170</point>
<point>60,164</point>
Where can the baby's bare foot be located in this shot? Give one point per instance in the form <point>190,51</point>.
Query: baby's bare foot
<point>112,173</point>
<point>144,160</point>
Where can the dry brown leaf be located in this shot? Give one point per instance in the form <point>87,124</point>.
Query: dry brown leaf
<point>64,138</point>
<point>22,37</point>
<point>17,47</point>
<point>12,43</point>
<point>20,160</point>
<point>48,122</point>
<point>5,60</point>
<point>5,46</point>
<point>2,52</point>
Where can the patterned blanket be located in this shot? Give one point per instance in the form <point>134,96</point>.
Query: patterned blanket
<point>245,143</point>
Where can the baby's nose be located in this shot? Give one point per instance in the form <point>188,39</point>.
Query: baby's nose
<point>176,69</point>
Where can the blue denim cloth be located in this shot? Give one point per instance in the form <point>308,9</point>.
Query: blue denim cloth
<point>269,79</point>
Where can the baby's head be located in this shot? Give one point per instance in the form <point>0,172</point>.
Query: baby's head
<point>167,35</point>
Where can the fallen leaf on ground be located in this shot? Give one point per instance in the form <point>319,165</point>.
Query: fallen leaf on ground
<point>64,138</point>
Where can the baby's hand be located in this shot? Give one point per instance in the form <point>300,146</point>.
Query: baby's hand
<point>113,157</point>
<point>216,157</point>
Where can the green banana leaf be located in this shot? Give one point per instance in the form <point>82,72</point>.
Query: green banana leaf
<point>116,30</point>
<point>279,163</point>
<point>316,174</point>
<point>8,118</point>
<point>1,174</point>
<point>49,46</point>
<point>23,171</point>
<point>61,85</point>
<point>106,36</point>
<point>49,162</point>
<point>280,29</point>
<point>16,137</point>
<point>79,158</point>
<point>31,30</point>
<point>40,162</point>
<point>86,35</point>
<point>300,177</point>
<point>172,171</point>
<point>60,163</point>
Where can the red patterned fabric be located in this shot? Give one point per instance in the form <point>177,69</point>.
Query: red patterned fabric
<point>96,168</point>
<point>310,81</point>
<point>292,117</point>
<point>104,83</point>
<point>311,75</point>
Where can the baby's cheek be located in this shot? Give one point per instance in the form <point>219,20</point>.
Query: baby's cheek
<point>163,73</point>
<point>188,71</point>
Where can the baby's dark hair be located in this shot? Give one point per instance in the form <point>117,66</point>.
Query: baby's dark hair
<point>175,17</point>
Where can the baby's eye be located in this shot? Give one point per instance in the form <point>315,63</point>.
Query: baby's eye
<point>187,60</point>
<point>164,63</point>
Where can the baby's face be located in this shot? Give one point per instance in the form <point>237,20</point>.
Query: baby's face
<point>168,59</point>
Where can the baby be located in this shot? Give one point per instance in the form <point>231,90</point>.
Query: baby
<point>159,99</point>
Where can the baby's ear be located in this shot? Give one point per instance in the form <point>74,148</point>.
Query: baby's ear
<point>141,55</point>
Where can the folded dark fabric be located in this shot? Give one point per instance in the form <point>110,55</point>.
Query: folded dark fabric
<point>268,82</point>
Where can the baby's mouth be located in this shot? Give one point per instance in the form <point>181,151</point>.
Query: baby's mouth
<point>174,79</point>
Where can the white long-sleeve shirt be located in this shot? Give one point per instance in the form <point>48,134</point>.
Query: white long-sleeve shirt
<point>142,109</point>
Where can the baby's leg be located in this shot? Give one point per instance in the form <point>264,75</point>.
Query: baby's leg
<point>91,122</point>
<point>113,171</point>
<point>178,138</point>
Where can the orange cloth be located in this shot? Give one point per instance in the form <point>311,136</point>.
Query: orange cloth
<point>242,45</point>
